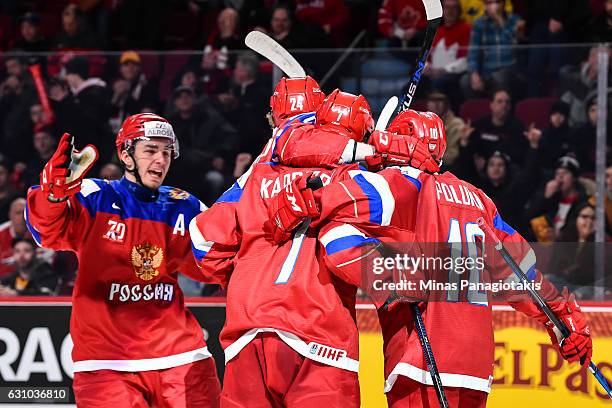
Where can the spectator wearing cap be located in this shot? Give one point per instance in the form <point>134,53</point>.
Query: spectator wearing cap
<point>556,203</point>
<point>208,140</point>
<point>31,39</point>
<point>438,103</point>
<point>500,130</point>
<point>76,33</point>
<point>556,137</point>
<point>15,227</point>
<point>84,111</point>
<point>584,138</point>
<point>8,192</point>
<point>132,89</point>
<point>32,275</point>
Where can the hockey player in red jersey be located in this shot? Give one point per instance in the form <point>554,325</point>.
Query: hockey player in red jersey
<point>416,202</point>
<point>290,337</point>
<point>135,342</point>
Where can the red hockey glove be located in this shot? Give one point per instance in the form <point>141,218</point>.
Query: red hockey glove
<point>399,150</point>
<point>289,209</point>
<point>62,175</point>
<point>578,346</point>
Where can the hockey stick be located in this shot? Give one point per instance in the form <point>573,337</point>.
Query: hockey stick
<point>565,331</point>
<point>262,44</point>
<point>433,10</point>
<point>387,112</point>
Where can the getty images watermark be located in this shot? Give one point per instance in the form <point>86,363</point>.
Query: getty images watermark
<point>440,273</point>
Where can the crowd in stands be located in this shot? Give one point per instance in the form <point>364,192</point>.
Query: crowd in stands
<point>520,121</point>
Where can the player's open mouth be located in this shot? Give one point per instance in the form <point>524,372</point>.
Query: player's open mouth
<point>156,173</point>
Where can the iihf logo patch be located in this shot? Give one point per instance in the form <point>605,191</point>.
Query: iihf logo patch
<point>313,348</point>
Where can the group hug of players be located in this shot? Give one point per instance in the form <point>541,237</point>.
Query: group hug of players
<point>291,259</point>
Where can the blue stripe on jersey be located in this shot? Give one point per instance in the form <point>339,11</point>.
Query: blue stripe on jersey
<point>531,273</point>
<point>33,231</point>
<point>116,198</point>
<point>414,181</point>
<point>501,225</point>
<point>351,241</point>
<point>231,195</point>
<point>374,198</point>
<point>199,254</point>
<point>303,117</point>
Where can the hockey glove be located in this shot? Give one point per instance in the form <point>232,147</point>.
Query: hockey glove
<point>399,150</point>
<point>62,175</point>
<point>578,346</point>
<point>289,209</point>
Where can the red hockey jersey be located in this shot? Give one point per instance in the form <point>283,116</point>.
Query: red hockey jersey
<point>128,310</point>
<point>283,289</point>
<point>430,209</point>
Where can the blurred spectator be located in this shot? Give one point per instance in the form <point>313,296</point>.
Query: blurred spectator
<point>38,116</point>
<point>84,110</point>
<point>17,93</point>
<point>8,192</point>
<point>98,12</point>
<point>32,276</point>
<point>226,37</point>
<point>15,227</point>
<point>76,33</point>
<point>584,139</point>
<point>110,171</point>
<point>44,146</point>
<point>573,264</point>
<point>557,202</point>
<point>491,60</point>
<point>556,138</point>
<point>600,29</point>
<point>283,28</point>
<point>31,39</point>
<point>132,89</point>
<point>207,140</point>
<point>558,24</point>
<point>403,21</point>
<point>438,103</point>
<point>580,86</point>
<point>471,10</point>
<point>500,130</point>
<point>246,104</point>
<point>449,50</point>
<point>331,15</point>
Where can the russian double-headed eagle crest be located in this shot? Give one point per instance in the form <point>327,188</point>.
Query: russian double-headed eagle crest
<point>178,194</point>
<point>146,259</point>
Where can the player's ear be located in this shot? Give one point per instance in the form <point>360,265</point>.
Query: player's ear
<point>127,160</point>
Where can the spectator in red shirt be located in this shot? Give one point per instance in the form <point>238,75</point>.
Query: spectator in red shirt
<point>448,57</point>
<point>331,15</point>
<point>403,21</point>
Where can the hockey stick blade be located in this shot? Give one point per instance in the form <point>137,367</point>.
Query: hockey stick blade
<point>516,269</point>
<point>269,48</point>
<point>387,112</point>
